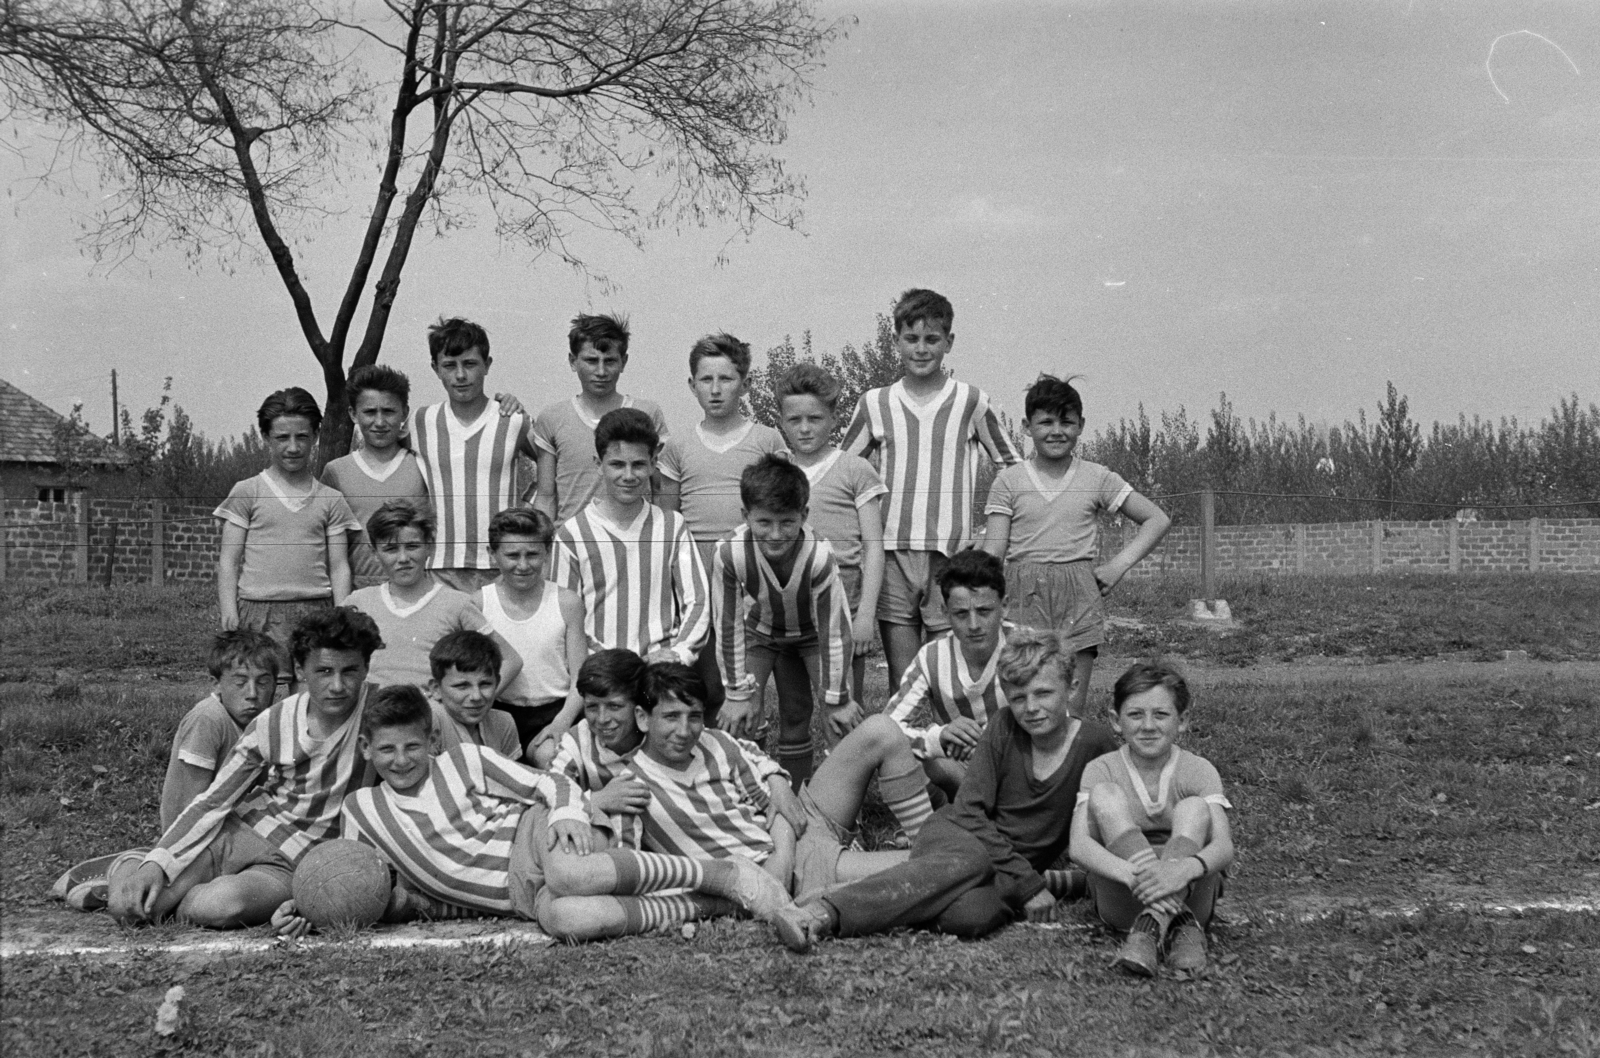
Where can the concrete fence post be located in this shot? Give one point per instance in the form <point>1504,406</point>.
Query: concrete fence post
<point>1377,545</point>
<point>158,544</point>
<point>1455,546</point>
<point>80,542</point>
<point>1533,545</point>
<point>1208,543</point>
<point>1301,546</point>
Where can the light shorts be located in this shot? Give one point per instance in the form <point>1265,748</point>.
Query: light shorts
<point>910,593</point>
<point>277,618</point>
<point>850,577</point>
<point>466,580</point>
<point>526,875</point>
<point>1060,597</point>
<point>817,851</point>
<point>237,849</point>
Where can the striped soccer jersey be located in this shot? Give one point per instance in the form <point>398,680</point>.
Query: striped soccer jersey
<point>452,838</point>
<point>471,473</point>
<point>747,596</point>
<point>584,760</point>
<point>927,460</point>
<point>938,687</point>
<point>642,584</point>
<point>715,808</point>
<point>281,783</point>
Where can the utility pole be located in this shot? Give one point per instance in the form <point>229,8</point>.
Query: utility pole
<point>116,412</point>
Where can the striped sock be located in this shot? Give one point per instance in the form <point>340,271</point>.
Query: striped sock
<point>648,872</point>
<point>798,759</point>
<point>1178,847</point>
<point>1069,884</point>
<point>1133,846</point>
<point>645,913</point>
<point>907,797</point>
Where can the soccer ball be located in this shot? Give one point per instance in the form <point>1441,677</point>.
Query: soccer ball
<point>341,882</point>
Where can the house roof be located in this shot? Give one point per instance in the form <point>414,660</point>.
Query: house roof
<point>28,432</point>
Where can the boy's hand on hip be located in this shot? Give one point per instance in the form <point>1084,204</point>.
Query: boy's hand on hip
<point>1107,576</point>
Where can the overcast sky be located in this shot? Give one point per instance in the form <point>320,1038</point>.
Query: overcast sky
<point>1292,202</point>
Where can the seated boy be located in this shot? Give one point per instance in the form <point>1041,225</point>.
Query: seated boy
<point>466,671</point>
<point>474,830</point>
<point>594,753</point>
<point>949,691</point>
<point>778,604</point>
<point>980,861</point>
<point>228,859</point>
<point>244,675</point>
<point>1151,827</point>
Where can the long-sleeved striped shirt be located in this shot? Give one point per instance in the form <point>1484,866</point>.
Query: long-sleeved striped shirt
<point>642,584</point>
<point>747,596</point>
<point>928,460</point>
<point>281,783</point>
<point>583,760</point>
<point>938,687</point>
<point>715,808</point>
<point>452,838</point>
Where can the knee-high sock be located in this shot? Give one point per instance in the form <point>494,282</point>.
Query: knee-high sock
<point>649,872</point>
<point>906,795</point>
<point>1179,847</point>
<point>798,759</point>
<point>644,913</point>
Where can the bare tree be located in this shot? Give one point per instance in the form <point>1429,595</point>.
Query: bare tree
<point>226,121</point>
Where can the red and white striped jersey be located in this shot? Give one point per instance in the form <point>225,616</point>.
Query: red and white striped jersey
<point>452,838</point>
<point>928,460</point>
<point>281,783</point>
<point>642,584</point>
<point>747,597</point>
<point>715,808</point>
<point>938,687</point>
<point>471,473</point>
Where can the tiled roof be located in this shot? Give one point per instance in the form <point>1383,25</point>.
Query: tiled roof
<point>28,432</point>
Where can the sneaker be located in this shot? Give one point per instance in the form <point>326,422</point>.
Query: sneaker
<point>757,891</point>
<point>801,926</point>
<point>92,895</point>
<point>80,873</point>
<point>1186,945</point>
<point>1140,952</point>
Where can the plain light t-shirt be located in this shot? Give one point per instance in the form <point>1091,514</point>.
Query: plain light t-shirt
<point>707,469</point>
<point>205,737</point>
<point>287,537</point>
<point>497,731</point>
<point>410,631</point>
<point>842,484</point>
<point>366,488</point>
<point>1055,521</point>
<point>1185,775</point>
<point>566,431</point>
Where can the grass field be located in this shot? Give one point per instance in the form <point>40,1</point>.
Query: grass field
<point>1357,784</point>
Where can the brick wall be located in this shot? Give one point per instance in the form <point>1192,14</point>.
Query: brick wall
<point>42,540</point>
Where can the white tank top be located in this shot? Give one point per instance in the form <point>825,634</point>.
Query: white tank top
<point>541,639</point>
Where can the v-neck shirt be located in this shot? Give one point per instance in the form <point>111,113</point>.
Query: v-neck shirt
<point>1055,521</point>
<point>287,536</point>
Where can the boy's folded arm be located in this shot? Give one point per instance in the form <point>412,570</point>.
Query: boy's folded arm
<point>198,824</point>
<point>1087,852</point>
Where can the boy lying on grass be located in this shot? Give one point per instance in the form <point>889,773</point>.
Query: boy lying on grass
<point>1151,827</point>
<point>470,830</point>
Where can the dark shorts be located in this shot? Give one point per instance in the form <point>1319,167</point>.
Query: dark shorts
<point>532,719</point>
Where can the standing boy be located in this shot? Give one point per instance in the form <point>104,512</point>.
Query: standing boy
<point>927,428</point>
<point>564,431</point>
<point>1043,523</point>
<point>468,451</point>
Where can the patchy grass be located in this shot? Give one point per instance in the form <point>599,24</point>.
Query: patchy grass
<point>133,630</point>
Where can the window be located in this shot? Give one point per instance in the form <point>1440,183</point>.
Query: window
<point>52,494</point>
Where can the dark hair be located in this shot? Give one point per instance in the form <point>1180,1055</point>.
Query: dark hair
<point>1027,651</point>
<point>456,336</point>
<point>774,484</point>
<point>724,345</point>
<point>625,426</point>
<point>242,647</point>
<point>336,628</point>
<point>465,651</point>
<point>612,671</point>
<point>380,378</point>
<point>293,401</point>
<point>806,379</point>
<point>674,678</point>
<point>972,569</point>
<point>397,705</point>
<point>1147,675</point>
<point>609,334</point>
<point>1053,396</point>
<point>387,521</point>
<point>926,306</point>
<point>521,521</point>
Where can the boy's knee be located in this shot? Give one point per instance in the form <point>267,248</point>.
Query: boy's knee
<point>1192,816</point>
<point>563,874</point>
<point>215,906</point>
<point>880,733</point>
<point>975,913</point>
<point>1106,800</point>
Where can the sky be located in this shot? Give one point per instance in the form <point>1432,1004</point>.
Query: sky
<point>1292,202</point>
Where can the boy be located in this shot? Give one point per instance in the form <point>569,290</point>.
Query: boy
<point>778,603</point>
<point>382,468</point>
<point>926,428</point>
<point>700,473</point>
<point>1042,521</point>
<point>466,670</point>
<point>950,691</point>
<point>633,564</point>
<point>228,859</point>
<point>283,531</point>
<point>542,622</point>
<point>468,452</point>
<point>564,431</point>
<point>980,861</point>
<point>846,498</point>
<point>594,752</point>
<point>1151,827</point>
<point>244,681</point>
<point>412,609</point>
<point>471,829</point>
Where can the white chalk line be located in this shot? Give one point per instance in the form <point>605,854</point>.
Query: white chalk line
<point>532,936</point>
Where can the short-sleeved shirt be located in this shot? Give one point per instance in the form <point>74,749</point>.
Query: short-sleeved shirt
<point>409,631</point>
<point>1186,775</point>
<point>471,473</point>
<point>366,488</point>
<point>287,536</point>
<point>707,469</point>
<point>565,430</point>
<point>497,731</point>
<point>841,485</point>
<point>205,737</point>
<point>1055,521</point>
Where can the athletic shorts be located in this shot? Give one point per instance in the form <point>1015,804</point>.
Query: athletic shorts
<point>277,618</point>
<point>237,849</point>
<point>768,647</point>
<point>466,580</point>
<point>850,577</point>
<point>531,719</point>
<point>910,593</point>
<point>526,876</point>
<point>817,851</point>
<point>1060,597</point>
